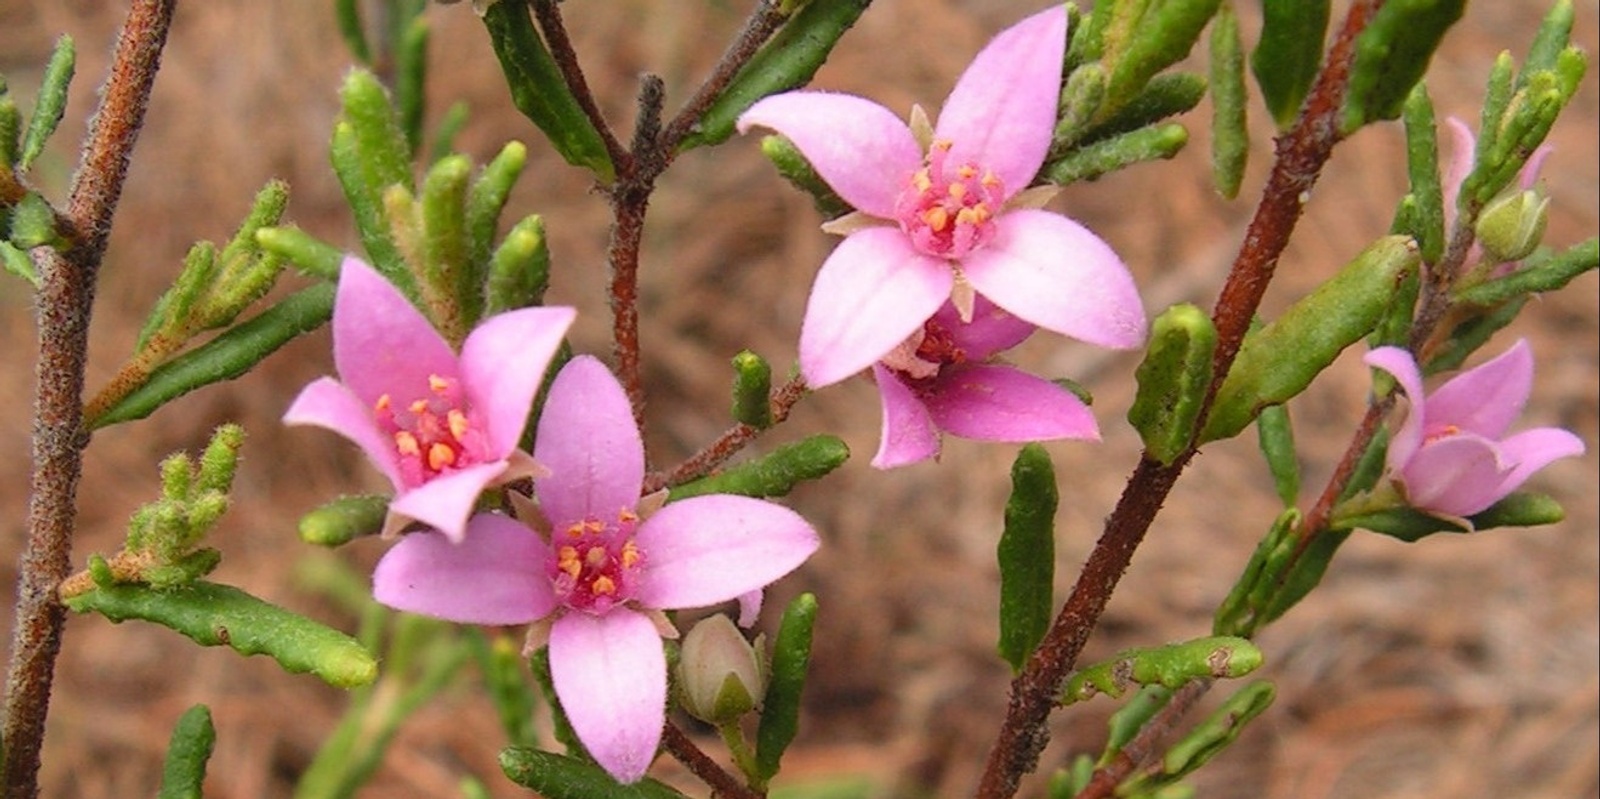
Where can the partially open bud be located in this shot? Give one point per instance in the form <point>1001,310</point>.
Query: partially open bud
<point>1512,226</point>
<point>720,676</point>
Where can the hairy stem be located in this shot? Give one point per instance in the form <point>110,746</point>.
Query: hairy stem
<point>548,14</point>
<point>729,443</point>
<point>66,297</point>
<point>723,785</point>
<point>763,22</point>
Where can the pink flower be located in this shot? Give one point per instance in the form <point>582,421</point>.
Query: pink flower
<point>1462,153</point>
<point>600,574</point>
<point>1452,456</point>
<point>947,218</point>
<point>940,380</point>
<point>441,427</point>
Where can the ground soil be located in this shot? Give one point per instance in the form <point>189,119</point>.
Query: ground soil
<point>1461,667</point>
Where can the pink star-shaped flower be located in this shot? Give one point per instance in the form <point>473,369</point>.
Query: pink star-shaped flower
<point>945,220</point>
<point>440,426</point>
<point>601,574</point>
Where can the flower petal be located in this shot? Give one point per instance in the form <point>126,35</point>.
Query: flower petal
<point>709,549</point>
<point>589,441</point>
<point>992,329</point>
<point>1053,272</point>
<point>908,434</point>
<point>503,362</point>
<point>1455,476</point>
<point>1402,367</point>
<point>863,151</point>
<point>1002,111</point>
<point>491,577</point>
<point>1532,450</point>
<point>611,676</point>
<point>1458,164</point>
<point>327,403</point>
<point>999,403</point>
<point>1486,399</point>
<point>381,343</point>
<point>445,502</point>
<point>872,293</point>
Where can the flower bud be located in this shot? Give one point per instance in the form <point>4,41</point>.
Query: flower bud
<point>1512,226</point>
<point>720,676</point>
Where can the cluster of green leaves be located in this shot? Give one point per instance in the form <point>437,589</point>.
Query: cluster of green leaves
<point>26,218</point>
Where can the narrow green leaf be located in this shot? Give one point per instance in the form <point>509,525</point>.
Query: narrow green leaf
<point>1236,614</point>
<point>1162,36</point>
<point>1165,95</point>
<point>344,519</point>
<point>183,773</point>
<point>1275,435</point>
<point>1468,336</point>
<point>752,390</point>
<point>445,244</point>
<point>485,201</point>
<point>379,141</point>
<point>787,61</point>
<point>510,686</point>
<point>1555,32</point>
<point>794,167</point>
<point>780,712</point>
<point>1280,360</point>
<point>230,354</point>
<point>1125,724</point>
<point>1519,509</point>
<point>1173,380</point>
<point>1081,97</point>
<point>519,271</point>
<point>1171,666</point>
<point>1537,275</point>
<point>348,15</point>
<point>1103,157</point>
<point>1230,138</point>
<point>411,81</point>
<point>540,93</point>
<point>1422,164</point>
<point>774,474</point>
<point>1218,730</point>
<point>314,256</point>
<point>1392,53</point>
<point>560,777</point>
<point>220,615</point>
<point>1296,582</point>
<point>33,224</point>
<point>1027,556</point>
<point>18,263</point>
<point>1285,61</point>
<point>450,125</point>
<point>366,207</point>
<point>51,103</point>
<point>10,130</point>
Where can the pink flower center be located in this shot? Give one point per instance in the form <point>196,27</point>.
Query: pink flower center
<point>923,356</point>
<point>595,567</point>
<point>433,434</point>
<point>949,211</point>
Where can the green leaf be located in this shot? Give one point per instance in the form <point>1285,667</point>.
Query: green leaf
<point>752,390</point>
<point>366,208</point>
<point>183,773</point>
<point>1173,380</point>
<point>342,520</point>
<point>1126,723</point>
<point>1285,61</point>
<point>1519,509</point>
<point>445,246</point>
<point>10,129</point>
<point>1081,97</point>
<point>519,271</point>
<point>1555,32</point>
<point>410,80</point>
<point>1468,336</point>
<point>1278,361</point>
<point>312,255</point>
<point>1422,164</point>
<point>1230,138</point>
<point>1236,615</point>
<point>51,103</point>
<point>348,15</point>
<point>787,61</point>
<point>780,712</point>
<point>1275,435</point>
<point>230,354</point>
<point>560,777</point>
<point>1171,666</point>
<point>1103,157</point>
<point>510,686</point>
<point>1391,55</point>
<point>1217,732</point>
<point>485,202</point>
<point>775,474</point>
<point>794,167</point>
<point>221,615</point>
<point>1027,556</point>
<point>539,91</point>
<point>1539,274</point>
<point>1164,96</point>
<point>1144,41</point>
<point>18,263</point>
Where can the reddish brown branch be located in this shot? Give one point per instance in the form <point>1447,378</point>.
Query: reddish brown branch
<point>723,785</point>
<point>548,13</point>
<point>66,297</point>
<point>763,22</point>
<point>1103,784</point>
<point>729,443</point>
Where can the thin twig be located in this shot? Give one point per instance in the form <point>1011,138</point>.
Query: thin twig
<point>763,22</point>
<point>66,297</point>
<point>1103,784</point>
<point>729,443</point>
<point>723,785</point>
<point>548,13</point>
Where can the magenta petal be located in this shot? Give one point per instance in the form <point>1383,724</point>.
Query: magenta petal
<point>1403,368</point>
<point>872,293</point>
<point>908,433</point>
<point>611,676</point>
<point>1053,272</point>
<point>381,343</point>
<point>492,577</point>
<point>503,361</point>
<point>1486,399</point>
<point>588,440</point>
<point>327,403</point>
<point>709,549</point>
<point>445,502</point>
<point>1002,111</point>
<point>1457,476</point>
<point>863,151</point>
<point>992,329</point>
<point>999,403</point>
<point>1532,450</point>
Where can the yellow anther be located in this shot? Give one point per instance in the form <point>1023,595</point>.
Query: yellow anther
<point>382,404</point>
<point>441,455</point>
<point>593,526</point>
<point>604,585</point>
<point>976,215</point>
<point>418,407</point>
<point>942,144</point>
<point>990,180</point>
<point>438,384</point>
<point>458,423</point>
<point>567,561</point>
<point>921,180</point>
<point>596,556</point>
<point>937,218</point>
<point>627,515</point>
<point>968,172</point>
<point>630,555</point>
<point>957,191</point>
<point>574,531</point>
<point>406,444</point>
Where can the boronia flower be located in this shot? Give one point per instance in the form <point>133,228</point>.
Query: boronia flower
<point>1461,154</point>
<point>440,426</point>
<point>1451,456</point>
<point>598,574</point>
<point>943,215</point>
<point>942,379</point>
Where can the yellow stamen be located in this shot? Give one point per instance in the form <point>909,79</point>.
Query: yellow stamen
<point>921,180</point>
<point>990,180</point>
<point>567,561</point>
<point>382,404</point>
<point>626,515</point>
<point>937,218</point>
<point>418,407</point>
<point>604,585</point>
<point>957,191</point>
<point>596,557</point>
<point>574,531</point>
<point>458,423</point>
<point>968,172</point>
<point>438,384</point>
<point>441,455</point>
<point>406,444</point>
<point>630,555</point>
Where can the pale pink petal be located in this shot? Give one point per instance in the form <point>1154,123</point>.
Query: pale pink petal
<point>611,676</point>
<point>590,443</point>
<point>1486,399</point>
<point>381,343</point>
<point>750,607</point>
<point>446,501</point>
<point>503,362</point>
<point>1528,177</point>
<point>1457,165</point>
<point>709,549</point>
<point>1532,450</point>
<point>861,149</point>
<point>872,293</point>
<point>999,403</point>
<point>992,329</point>
<point>327,403</point>
<point>1002,111</point>
<point>908,433</point>
<point>1457,476</point>
<point>1403,368</point>
<point>1053,272</point>
<point>491,577</point>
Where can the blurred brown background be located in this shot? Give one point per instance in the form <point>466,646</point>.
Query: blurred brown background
<point>1458,667</point>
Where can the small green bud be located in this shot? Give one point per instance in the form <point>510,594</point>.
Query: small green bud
<point>1512,226</point>
<point>720,676</point>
